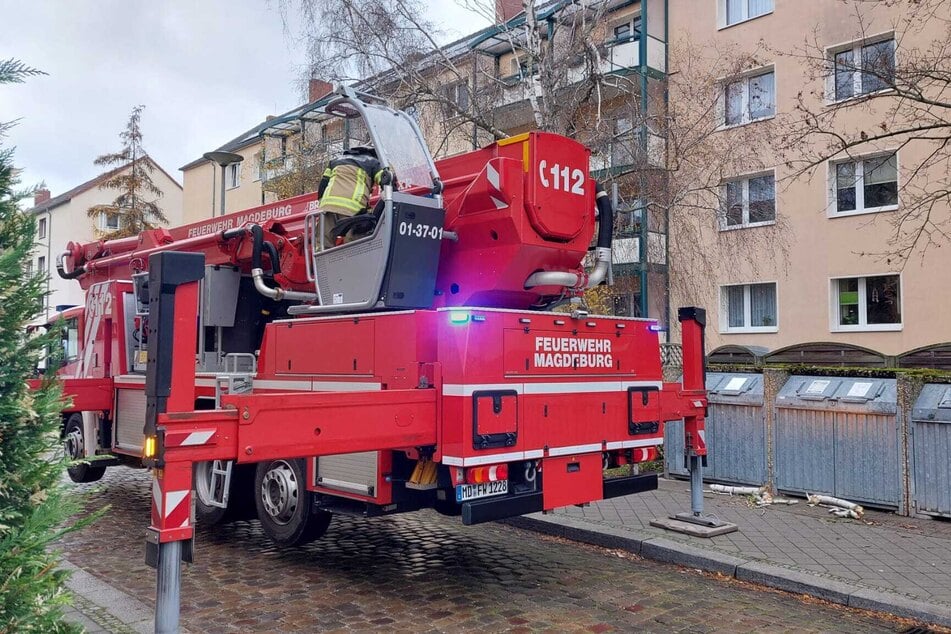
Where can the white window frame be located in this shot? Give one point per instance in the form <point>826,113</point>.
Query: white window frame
<point>856,48</point>
<point>41,265</point>
<point>629,20</point>
<point>745,179</point>
<point>42,228</point>
<point>832,211</point>
<point>104,221</point>
<point>863,325</point>
<point>258,165</point>
<point>722,14</point>
<point>233,175</point>
<point>726,329</point>
<point>745,78</point>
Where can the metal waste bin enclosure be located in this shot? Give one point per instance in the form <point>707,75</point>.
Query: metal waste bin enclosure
<point>931,437</point>
<point>674,431</point>
<point>736,430</point>
<point>839,436</point>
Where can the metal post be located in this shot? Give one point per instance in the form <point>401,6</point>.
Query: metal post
<point>696,486</point>
<point>168,588</point>
<point>222,190</point>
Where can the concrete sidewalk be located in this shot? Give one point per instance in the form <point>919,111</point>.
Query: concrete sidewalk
<point>100,607</point>
<point>884,562</point>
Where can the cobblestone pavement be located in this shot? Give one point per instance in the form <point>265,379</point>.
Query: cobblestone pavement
<point>910,556</point>
<point>424,572</point>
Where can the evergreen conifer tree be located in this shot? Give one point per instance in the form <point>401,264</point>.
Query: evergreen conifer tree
<point>33,505</point>
<point>135,209</point>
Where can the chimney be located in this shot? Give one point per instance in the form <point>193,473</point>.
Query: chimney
<point>505,10</point>
<point>40,197</point>
<point>318,88</point>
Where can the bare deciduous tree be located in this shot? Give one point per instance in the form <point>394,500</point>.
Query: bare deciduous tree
<point>903,86</point>
<point>561,77</point>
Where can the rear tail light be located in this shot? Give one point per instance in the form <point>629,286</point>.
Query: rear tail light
<point>493,473</point>
<point>644,454</point>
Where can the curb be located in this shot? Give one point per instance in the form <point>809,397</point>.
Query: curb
<point>651,546</point>
<point>109,607</point>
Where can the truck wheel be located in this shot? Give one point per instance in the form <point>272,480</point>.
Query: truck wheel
<point>240,500</point>
<point>285,506</point>
<point>74,442</point>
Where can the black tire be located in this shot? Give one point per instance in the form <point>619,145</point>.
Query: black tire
<point>240,496</point>
<point>74,443</point>
<point>284,505</point>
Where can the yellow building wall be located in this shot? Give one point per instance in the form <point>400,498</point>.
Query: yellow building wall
<point>811,248</point>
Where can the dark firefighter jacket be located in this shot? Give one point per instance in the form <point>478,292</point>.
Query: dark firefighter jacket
<point>347,183</point>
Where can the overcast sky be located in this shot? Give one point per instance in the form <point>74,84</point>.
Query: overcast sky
<point>206,70</point>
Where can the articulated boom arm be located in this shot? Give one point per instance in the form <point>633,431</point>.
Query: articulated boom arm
<point>519,218</point>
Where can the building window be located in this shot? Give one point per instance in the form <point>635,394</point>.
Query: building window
<point>748,308</point>
<point>457,94</point>
<point>624,143</point>
<point>626,305</point>
<point>71,340</point>
<point>258,166</point>
<point>866,303</point>
<point>28,270</point>
<point>749,201</point>
<point>749,98</point>
<point>41,228</point>
<point>735,11</point>
<point>233,175</point>
<point>627,31</point>
<point>110,221</point>
<point>863,68</point>
<point>865,185</point>
<point>627,223</point>
<point>41,264</point>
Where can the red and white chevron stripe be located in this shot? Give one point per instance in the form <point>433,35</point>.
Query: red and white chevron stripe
<point>190,438</point>
<point>170,509</point>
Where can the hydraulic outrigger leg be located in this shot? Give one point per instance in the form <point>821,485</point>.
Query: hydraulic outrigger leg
<point>170,387</point>
<point>692,323</point>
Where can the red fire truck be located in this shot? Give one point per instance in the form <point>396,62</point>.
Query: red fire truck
<point>420,366</point>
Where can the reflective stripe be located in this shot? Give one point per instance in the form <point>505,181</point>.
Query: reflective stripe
<point>338,194</point>
<point>559,387</point>
<point>339,201</point>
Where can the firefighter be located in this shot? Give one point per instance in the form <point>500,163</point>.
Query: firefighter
<point>346,186</point>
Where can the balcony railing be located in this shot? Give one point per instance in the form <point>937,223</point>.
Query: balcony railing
<point>628,250</point>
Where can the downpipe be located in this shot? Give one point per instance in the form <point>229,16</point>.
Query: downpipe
<point>602,253</point>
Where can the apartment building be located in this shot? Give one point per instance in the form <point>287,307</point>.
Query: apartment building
<point>811,255</point>
<point>63,218</point>
<point>275,163</point>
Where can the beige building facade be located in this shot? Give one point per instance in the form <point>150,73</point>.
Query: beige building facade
<point>821,261</point>
<point>63,218</point>
<point>201,180</point>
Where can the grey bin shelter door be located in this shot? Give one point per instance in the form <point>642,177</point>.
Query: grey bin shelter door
<point>736,429</point>
<point>931,437</point>
<point>839,436</point>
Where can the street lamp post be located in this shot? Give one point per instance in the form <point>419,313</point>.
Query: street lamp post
<point>224,159</point>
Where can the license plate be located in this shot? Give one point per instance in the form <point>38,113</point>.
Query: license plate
<point>484,489</point>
